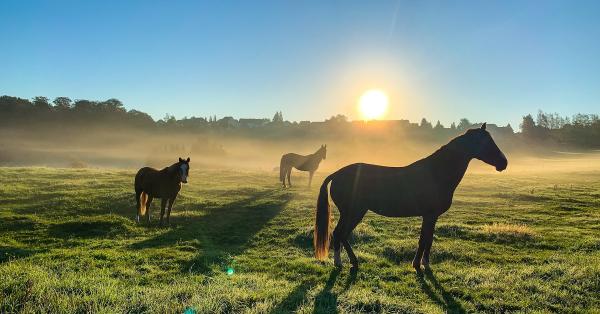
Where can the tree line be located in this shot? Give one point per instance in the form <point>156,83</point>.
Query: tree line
<point>582,130</point>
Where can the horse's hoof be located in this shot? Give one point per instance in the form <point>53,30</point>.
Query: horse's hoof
<point>337,264</point>
<point>416,266</point>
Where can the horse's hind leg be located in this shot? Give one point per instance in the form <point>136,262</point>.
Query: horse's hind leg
<point>138,194</point>
<point>310,176</point>
<point>337,247</point>
<point>350,221</point>
<point>425,241</point>
<point>148,203</point>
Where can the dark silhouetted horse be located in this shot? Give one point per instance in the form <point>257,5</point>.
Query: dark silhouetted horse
<point>308,163</point>
<point>164,184</point>
<point>424,188</point>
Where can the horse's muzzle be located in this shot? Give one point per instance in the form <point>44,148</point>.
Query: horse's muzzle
<point>500,166</point>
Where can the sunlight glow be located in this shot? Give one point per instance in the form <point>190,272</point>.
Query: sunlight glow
<point>373,104</point>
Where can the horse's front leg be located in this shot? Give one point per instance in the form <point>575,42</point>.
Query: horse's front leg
<point>427,250</point>
<point>289,177</point>
<point>163,204</point>
<point>424,240</point>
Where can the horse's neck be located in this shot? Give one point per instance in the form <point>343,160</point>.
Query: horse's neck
<point>448,166</point>
<point>314,158</point>
<point>168,171</point>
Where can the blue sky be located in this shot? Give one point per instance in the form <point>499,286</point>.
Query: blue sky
<point>485,60</point>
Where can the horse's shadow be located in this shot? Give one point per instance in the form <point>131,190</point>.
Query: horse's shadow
<point>224,231</point>
<point>325,300</point>
<point>429,283</point>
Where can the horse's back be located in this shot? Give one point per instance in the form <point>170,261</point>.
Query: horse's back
<point>142,174</point>
<point>291,156</point>
<point>292,159</point>
<point>389,191</point>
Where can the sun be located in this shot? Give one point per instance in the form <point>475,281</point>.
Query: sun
<point>373,104</point>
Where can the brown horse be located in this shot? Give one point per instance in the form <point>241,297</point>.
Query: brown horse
<point>424,188</point>
<point>308,163</point>
<point>164,184</point>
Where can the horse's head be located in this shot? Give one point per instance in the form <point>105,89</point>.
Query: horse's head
<point>480,145</point>
<point>183,167</point>
<point>323,151</point>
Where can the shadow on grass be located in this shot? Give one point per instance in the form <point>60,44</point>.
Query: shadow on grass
<point>404,255</point>
<point>325,301</point>
<point>94,228</point>
<point>223,232</point>
<point>293,300</point>
<point>57,204</point>
<point>10,253</point>
<point>429,284</point>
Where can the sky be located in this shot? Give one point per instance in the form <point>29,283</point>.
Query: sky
<point>491,61</point>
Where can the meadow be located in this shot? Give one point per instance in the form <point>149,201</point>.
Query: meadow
<point>239,243</point>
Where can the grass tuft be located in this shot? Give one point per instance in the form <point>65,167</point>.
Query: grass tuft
<point>508,231</point>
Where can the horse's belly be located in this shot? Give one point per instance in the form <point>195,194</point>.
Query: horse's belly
<point>396,211</point>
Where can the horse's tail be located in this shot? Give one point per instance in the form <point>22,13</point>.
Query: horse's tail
<point>282,170</point>
<point>143,201</point>
<point>322,220</point>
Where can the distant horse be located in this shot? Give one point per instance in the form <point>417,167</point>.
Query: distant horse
<point>164,184</point>
<point>308,163</point>
<point>424,188</point>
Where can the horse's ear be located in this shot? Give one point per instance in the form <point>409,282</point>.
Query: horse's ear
<point>180,160</point>
<point>188,160</point>
<point>325,145</point>
<point>483,125</point>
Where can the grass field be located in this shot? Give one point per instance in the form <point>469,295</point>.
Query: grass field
<point>510,243</point>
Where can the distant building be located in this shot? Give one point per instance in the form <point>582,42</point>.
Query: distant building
<point>253,123</point>
<point>228,122</point>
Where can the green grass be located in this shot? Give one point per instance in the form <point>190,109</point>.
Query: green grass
<point>510,243</point>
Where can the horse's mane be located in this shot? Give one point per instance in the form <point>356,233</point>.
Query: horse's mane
<point>449,147</point>
<point>172,167</point>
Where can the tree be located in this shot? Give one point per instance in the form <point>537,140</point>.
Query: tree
<point>542,120</point>
<point>112,105</point>
<point>62,103</point>
<point>278,117</point>
<point>169,119</point>
<point>438,125</point>
<point>41,103</point>
<point>464,124</point>
<point>453,126</point>
<point>528,126</point>
<point>509,127</point>
<point>425,124</point>
<point>339,118</point>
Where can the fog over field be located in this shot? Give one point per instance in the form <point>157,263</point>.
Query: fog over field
<point>104,148</point>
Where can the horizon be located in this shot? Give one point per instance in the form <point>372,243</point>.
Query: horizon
<point>491,62</point>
